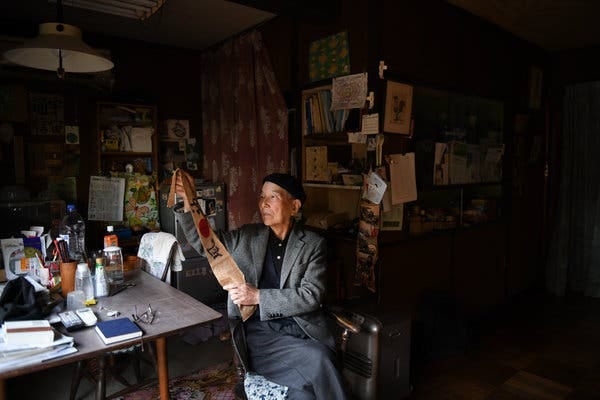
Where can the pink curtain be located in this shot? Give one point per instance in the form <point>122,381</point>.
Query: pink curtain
<point>244,123</point>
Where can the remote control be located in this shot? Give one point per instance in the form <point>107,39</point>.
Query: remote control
<point>71,320</point>
<point>87,316</point>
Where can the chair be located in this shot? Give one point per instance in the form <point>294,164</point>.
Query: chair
<point>159,253</point>
<point>253,386</point>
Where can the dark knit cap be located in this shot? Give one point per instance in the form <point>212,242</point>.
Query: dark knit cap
<point>289,183</point>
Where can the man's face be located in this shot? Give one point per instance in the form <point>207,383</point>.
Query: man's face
<point>276,206</point>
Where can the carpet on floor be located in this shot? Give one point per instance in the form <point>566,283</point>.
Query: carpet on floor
<point>214,383</point>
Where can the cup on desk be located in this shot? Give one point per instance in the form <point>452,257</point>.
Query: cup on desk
<point>67,277</point>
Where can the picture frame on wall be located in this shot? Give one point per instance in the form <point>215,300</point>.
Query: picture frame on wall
<point>398,108</point>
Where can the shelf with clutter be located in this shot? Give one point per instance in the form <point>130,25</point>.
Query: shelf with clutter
<point>127,163</point>
<point>127,136</point>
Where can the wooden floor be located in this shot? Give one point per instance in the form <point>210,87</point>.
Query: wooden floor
<point>539,349</point>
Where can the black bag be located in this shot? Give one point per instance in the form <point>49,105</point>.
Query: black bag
<point>19,301</point>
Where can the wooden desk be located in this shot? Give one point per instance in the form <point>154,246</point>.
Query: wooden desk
<point>175,312</point>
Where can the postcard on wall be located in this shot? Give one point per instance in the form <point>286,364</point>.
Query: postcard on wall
<point>349,91</point>
<point>398,108</point>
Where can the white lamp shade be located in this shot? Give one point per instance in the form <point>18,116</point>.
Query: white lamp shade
<point>42,52</point>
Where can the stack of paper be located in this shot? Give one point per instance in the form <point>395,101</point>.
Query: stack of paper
<point>24,332</point>
<point>30,347</point>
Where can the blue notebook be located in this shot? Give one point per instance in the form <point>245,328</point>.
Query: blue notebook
<point>116,330</point>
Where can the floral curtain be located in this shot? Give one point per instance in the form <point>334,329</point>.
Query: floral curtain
<point>574,256</point>
<point>244,123</point>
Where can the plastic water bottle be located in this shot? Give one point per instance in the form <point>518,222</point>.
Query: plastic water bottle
<point>72,229</point>
<point>83,281</point>
<point>110,238</point>
<point>101,281</point>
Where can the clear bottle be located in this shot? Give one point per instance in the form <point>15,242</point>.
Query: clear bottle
<point>83,281</point>
<point>72,228</point>
<point>101,281</point>
<point>110,239</point>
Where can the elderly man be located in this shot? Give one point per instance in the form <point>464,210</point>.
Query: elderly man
<point>288,339</point>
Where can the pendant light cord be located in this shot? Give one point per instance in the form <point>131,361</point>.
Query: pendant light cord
<point>59,18</point>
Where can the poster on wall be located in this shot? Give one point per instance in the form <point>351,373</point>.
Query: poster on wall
<point>47,114</point>
<point>329,57</point>
<point>398,108</point>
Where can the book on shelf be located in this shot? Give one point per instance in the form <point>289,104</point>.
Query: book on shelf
<point>318,116</point>
<point>117,330</point>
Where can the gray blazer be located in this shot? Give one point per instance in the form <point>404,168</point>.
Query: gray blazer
<point>303,274</point>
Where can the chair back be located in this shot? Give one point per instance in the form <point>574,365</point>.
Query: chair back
<point>158,251</point>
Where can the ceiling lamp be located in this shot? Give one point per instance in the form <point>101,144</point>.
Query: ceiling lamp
<point>59,47</point>
<point>136,9</point>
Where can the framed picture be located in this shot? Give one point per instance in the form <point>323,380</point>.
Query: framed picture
<point>398,108</point>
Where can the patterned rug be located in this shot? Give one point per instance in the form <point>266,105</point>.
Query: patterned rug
<point>215,383</point>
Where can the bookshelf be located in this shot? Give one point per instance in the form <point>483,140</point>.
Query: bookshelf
<point>325,147</point>
<point>139,121</point>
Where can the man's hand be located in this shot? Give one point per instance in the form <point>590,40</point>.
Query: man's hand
<point>180,191</point>
<point>243,294</point>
